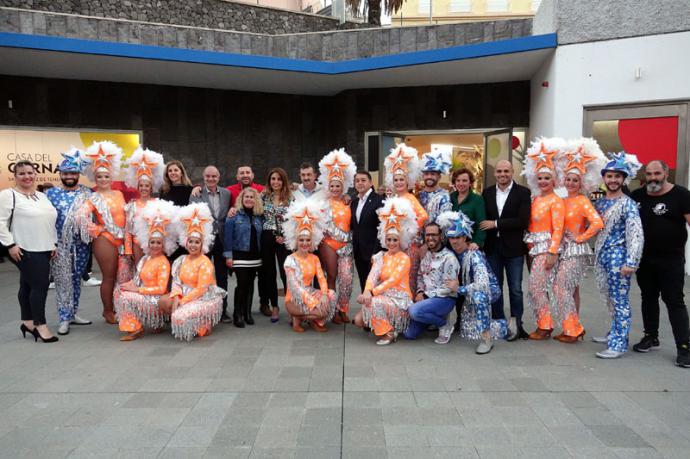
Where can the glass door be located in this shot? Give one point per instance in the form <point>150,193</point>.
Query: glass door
<point>497,146</point>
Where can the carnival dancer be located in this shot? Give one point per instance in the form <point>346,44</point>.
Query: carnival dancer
<point>145,169</point>
<point>101,219</point>
<point>136,301</point>
<point>402,172</point>
<point>581,161</point>
<point>337,173</point>
<point>195,302</point>
<point>72,253</point>
<point>618,250</point>
<point>477,284</point>
<point>387,297</point>
<point>304,230</point>
<point>545,230</point>
<point>433,198</point>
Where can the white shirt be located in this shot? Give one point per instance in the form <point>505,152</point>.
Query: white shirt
<point>303,193</point>
<point>360,204</point>
<point>33,222</point>
<point>502,197</point>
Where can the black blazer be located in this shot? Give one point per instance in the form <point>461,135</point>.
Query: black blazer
<point>365,241</point>
<point>512,223</point>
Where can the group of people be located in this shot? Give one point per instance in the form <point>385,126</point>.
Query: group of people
<point>425,259</point>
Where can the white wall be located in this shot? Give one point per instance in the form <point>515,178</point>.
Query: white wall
<point>603,72</point>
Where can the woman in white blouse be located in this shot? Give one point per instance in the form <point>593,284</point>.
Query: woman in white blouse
<point>27,229</point>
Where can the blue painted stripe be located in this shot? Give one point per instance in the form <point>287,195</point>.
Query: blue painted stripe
<point>137,51</point>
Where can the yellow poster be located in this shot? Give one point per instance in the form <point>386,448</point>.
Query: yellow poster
<point>43,148</point>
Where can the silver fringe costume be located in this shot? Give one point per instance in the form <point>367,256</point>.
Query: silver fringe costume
<point>297,288</point>
<point>391,305</point>
<point>345,258</point>
<point>143,307</point>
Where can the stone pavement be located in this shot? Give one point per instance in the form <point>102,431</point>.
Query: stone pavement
<point>265,391</point>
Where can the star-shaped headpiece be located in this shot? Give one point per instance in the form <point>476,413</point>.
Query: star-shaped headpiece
<point>543,158</point>
<point>101,159</point>
<point>391,220</point>
<point>158,224</point>
<point>578,160</point>
<point>336,169</point>
<point>438,161</point>
<point>305,222</point>
<point>195,223</point>
<point>73,161</point>
<point>399,160</point>
<point>455,224</point>
<point>144,168</point>
<point>622,162</point>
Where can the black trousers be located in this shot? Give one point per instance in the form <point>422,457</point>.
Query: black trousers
<point>268,284</point>
<point>89,266</point>
<point>363,269</point>
<point>665,276</point>
<point>34,278</point>
<point>221,269</point>
<point>244,292</point>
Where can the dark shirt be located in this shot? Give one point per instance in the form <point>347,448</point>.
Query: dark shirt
<point>663,221</point>
<point>178,194</point>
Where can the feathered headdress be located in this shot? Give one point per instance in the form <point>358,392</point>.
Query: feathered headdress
<point>74,161</point>
<point>402,160</point>
<point>455,224</point>
<point>437,161</point>
<point>195,220</point>
<point>584,158</point>
<point>622,162</point>
<point>397,217</point>
<point>541,157</point>
<point>145,164</point>
<point>304,217</point>
<point>337,165</point>
<point>103,156</point>
<point>156,220</point>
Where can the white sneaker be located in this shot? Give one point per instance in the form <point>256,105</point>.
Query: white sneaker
<point>51,286</point>
<point>444,334</point>
<point>93,282</point>
<point>79,321</point>
<point>609,354</point>
<point>600,339</point>
<point>63,329</point>
<point>484,347</point>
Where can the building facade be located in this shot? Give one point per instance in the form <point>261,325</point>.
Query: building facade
<point>415,12</point>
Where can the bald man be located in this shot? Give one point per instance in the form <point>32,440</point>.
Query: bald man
<point>507,217</point>
<point>218,200</point>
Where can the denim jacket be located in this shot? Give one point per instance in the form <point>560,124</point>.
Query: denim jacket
<point>238,233</point>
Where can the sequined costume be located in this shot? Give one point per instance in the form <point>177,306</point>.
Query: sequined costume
<point>544,237</point>
<point>389,285</point>
<point>136,310</point>
<point>72,253</point>
<point>200,299</point>
<point>582,223</point>
<point>300,274</point>
<point>480,288</point>
<point>413,250</point>
<point>338,237</point>
<point>132,211</point>
<point>435,202</point>
<point>619,244</point>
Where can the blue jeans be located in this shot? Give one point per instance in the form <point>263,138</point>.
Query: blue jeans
<point>430,311</point>
<point>513,267</point>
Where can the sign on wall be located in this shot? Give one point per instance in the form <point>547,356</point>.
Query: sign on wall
<point>43,148</point>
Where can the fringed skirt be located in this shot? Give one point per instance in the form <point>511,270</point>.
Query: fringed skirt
<point>328,310</point>
<point>198,317</point>
<point>387,312</point>
<point>144,308</point>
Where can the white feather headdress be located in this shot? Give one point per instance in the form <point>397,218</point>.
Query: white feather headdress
<point>403,160</point>
<point>584,158</point>
<point>397,217</point>
<point>337,165</point>
<point>304,217</point>
<point>195,220</point>
<point>541,157</point>
<point>103,156</point>
<point>145,164</point>
<point>156,220</point>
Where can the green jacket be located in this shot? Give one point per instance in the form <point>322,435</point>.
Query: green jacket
<point>473,207</point>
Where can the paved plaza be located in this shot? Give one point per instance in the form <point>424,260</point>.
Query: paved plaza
<point>265,391</point>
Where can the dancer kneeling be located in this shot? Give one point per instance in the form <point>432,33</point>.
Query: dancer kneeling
<point>387,297</point>
<point>195,302</point>
<point>478,284</point>
<point>303,232</point>
<point>136,301</point>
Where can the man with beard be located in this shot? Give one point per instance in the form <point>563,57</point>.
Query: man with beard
<point>245,178</point>
<point>433,198</point>
<point>664,210</point>
<point>308,187</point>
<point>72,254</point>
<point>618,250</point>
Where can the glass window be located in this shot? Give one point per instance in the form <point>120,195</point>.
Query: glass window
<point>496,6</point>
<point>460,6</point>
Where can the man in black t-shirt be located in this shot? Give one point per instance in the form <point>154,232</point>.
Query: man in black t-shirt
<point>665,211</point>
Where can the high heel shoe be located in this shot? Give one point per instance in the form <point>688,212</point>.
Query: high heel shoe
<point>24,329</point>
<point>52,339</point>
<point>540,334</point>
<point>563,338</point>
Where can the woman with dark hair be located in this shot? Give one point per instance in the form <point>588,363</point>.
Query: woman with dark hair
<point>465,200</point>
<point>275,198</point>
<point>27,229</point>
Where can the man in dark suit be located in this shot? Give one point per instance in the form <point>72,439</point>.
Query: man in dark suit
<point>218,200</point>
<point>507,218</point>
<point>365,241</point>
